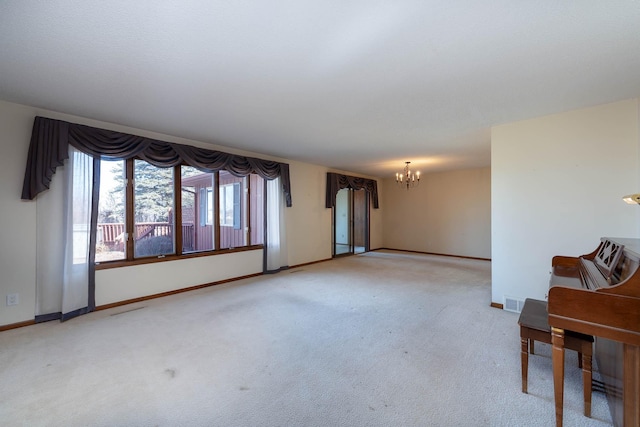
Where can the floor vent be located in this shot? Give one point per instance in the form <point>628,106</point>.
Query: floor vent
<point>513,304</point>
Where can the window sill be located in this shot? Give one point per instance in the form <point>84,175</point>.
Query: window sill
<point>162,258</point>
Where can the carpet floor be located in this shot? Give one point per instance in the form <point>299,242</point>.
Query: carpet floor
<point>379,339</point>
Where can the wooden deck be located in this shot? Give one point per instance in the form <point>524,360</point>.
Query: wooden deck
<point>111,235</point>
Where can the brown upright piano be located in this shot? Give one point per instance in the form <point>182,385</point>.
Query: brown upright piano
<point>599,294</point>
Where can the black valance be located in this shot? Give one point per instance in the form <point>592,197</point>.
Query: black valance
<point>50,141</point>
<point>336,182</point>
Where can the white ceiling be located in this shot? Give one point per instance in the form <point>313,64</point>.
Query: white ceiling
<point>360,86</point>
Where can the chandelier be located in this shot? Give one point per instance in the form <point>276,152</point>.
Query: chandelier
<point>408,179</point>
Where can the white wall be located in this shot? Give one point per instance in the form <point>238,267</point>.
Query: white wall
<point>308,221</point>
<point>18,218</point>
<point>121,284</point>
<point>448,213</point>
<point>557,183</point>
<point>308,225</point>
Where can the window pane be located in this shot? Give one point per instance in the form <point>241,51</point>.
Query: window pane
<point>256,204</point>
<point>197,210</point>
<point>210,207</point>
<point>153,210</point>
<point>232,219</point>
<point>110,241</point>
<point>227,212</point>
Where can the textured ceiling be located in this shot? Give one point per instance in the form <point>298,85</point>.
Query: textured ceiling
<point>360,86</point>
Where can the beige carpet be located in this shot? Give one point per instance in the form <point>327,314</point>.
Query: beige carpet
<point>380,339</point>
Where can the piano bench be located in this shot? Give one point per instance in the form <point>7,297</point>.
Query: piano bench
<point>534,326</point>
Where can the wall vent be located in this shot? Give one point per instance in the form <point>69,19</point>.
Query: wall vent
<point>513,304</point>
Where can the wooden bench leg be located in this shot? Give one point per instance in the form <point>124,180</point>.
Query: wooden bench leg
<point>524,357</point>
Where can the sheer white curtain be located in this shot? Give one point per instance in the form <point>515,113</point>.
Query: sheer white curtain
<point>276,227</point>
<point>50,248</point>
<point>62,241</point>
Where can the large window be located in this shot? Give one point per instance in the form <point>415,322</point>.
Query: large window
<point>151,212</point>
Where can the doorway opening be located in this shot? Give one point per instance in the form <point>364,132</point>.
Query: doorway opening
<point>351,222</point>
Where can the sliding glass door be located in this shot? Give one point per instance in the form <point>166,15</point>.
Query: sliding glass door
<point>350,222</point>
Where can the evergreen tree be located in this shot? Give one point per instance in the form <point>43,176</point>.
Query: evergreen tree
<point>153,192</point>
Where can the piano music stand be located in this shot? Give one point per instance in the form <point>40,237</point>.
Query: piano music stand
<point>534,326</point>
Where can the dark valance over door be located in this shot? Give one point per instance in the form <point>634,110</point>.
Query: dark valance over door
<point>50,142</point>
<point>336,182</point>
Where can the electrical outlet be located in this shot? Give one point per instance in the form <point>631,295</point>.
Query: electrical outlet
<point>13,299</point>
